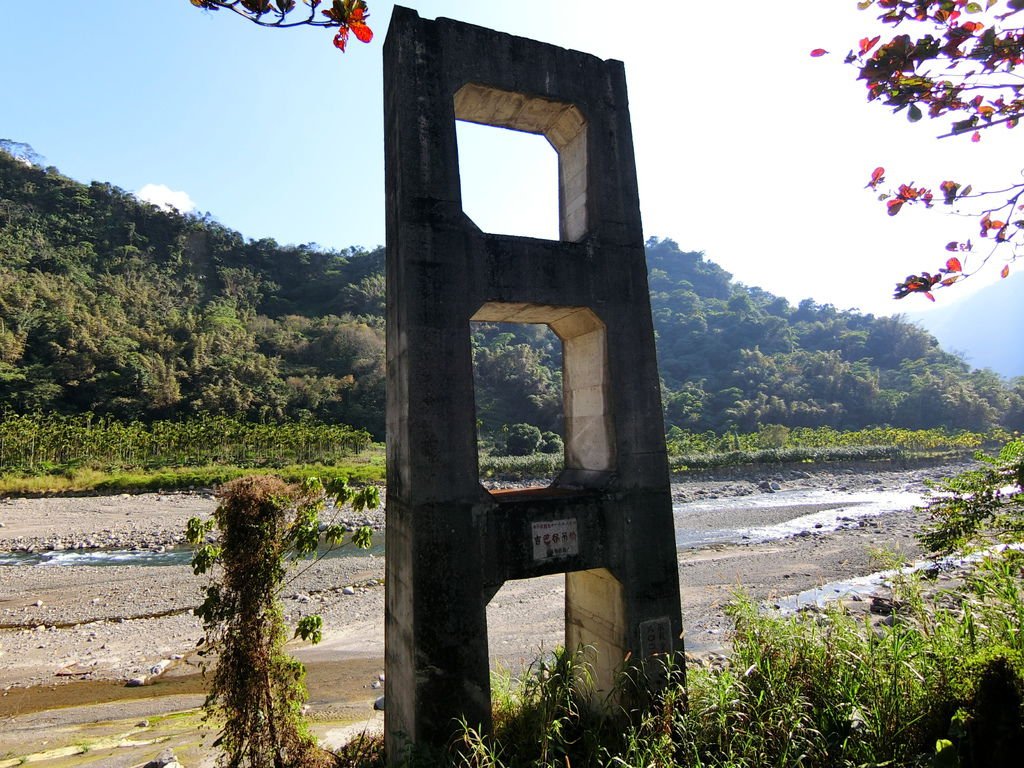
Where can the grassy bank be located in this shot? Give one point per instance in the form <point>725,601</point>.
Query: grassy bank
<point>77,454</point>
<point>367,468</point>
<point>939,681</point>
<point>53,453</point>
<point>774,445</point>
<point>53,443</point>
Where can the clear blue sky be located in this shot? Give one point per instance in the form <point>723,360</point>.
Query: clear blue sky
<point>747,148</point>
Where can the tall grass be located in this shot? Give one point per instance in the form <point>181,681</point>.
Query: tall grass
<point>684,461</point>
<point>938,682</point>
<point>776,437</point>
<point>40,443</point>
<point>90,480</point>
<point>831,689</point>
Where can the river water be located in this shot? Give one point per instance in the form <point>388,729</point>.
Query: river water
<point>768,516</point>
<point>158,557</point>
<point>736,519</point>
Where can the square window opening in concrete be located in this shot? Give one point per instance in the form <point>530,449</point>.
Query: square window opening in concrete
<point>509,181</point>
<point>589,455</point>
<point>517,385</point>
<point>562,124</point>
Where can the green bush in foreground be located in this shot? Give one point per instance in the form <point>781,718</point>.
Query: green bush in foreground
<point>980,506</point>
<point>264,525</point>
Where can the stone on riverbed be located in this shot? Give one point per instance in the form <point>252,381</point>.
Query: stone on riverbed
<point>166,759</point>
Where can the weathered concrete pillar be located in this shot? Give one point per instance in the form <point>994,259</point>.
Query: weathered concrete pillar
<point>606,522</point>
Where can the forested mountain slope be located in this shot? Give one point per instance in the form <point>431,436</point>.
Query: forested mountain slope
<point>734,356</point>
<point>110,305</point>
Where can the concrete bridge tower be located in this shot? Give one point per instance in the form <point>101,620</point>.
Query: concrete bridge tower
<point>606,521</point>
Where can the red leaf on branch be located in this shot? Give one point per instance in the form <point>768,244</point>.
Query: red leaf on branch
<point>351,18</point>
<point>908,192</point>
<point>818,52</point>
<point>1006,271</point>
<point>877,177</point>
<point>357,23</point>
<point>922,283</point>
<point>362,32</point>
<point>953,263</point>
<point>866,44</point>
<point>893,206</point>
<point>928,295</point>
<point>976,137</point>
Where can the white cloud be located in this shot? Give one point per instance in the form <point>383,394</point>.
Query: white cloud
<point>164,197</point>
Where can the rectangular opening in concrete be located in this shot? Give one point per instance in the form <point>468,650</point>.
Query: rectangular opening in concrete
<point>589,445</point>
<point>517,383</point>
<point>582,612</point>
<point>509,181</point>
<point>525,621</point>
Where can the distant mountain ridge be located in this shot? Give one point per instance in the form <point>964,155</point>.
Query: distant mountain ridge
<point>985,326</point>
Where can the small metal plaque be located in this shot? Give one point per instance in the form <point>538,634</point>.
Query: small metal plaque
<point>555,538</point>
<point>655,636</point>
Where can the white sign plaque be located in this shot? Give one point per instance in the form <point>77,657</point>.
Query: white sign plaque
<point>555,538</point>
<point>655,636</point>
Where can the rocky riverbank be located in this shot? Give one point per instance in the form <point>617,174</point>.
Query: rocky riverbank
<point>71,635</point>
<point>146,521</point>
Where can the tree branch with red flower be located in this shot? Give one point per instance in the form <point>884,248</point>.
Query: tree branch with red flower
<point>347,16</point>
<point>959,65</point>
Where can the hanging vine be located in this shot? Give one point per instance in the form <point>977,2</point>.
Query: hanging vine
<point>264,526</point>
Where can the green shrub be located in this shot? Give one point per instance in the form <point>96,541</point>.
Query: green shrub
<point>537,465</point>
<point>981,505</point>
<point>522,440</point>
<point>551,443</point>
<point>257,692</point>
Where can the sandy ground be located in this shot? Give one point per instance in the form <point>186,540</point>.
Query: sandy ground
<point>72,637</point>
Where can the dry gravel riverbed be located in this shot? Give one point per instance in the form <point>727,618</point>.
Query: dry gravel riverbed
<point>73,637</point>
